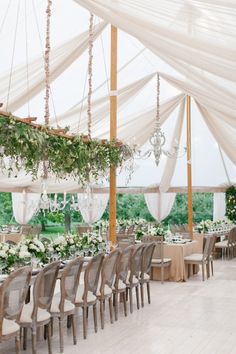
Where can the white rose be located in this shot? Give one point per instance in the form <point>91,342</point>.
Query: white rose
<point>23,248</point>
<point>12,251</point>
<point>24,254</point>
<point>3,254</point>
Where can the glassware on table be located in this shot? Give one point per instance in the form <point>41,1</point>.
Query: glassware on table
<point>34,262</point>
<point>86,251</point>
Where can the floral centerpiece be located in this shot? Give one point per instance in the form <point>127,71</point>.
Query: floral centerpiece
<point>213,226</point>
<point>8,257</point>
<point>91,243</point>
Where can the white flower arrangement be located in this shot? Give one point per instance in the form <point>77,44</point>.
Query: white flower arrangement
<point>214,226</point>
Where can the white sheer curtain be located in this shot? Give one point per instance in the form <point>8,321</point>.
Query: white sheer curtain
<point>61,58</point>
<point>92,206</point>
<point>197,33</point>
<point>25,205</point>
<point>171,161</point>
<point>159,204</point>
<point>218,206</point>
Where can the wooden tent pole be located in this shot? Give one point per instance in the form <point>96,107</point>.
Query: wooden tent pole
<point>189,168</point>
<point>113,132</point>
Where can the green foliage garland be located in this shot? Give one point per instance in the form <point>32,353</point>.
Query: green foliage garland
<point>230,196</point>
<point>67,156</point>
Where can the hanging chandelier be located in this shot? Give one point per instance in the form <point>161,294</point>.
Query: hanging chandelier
<point>157,139</point>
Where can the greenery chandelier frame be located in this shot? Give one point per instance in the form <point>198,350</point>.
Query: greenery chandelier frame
<point>25,145</point>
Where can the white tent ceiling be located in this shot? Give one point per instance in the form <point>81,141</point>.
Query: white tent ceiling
<point>191,44</point>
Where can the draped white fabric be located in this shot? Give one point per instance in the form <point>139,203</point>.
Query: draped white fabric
<point>219,206</point>
<point>160,204</point>
<point>171,161</point>
<point>224,134</point>
<point>100,108</point>
<point>25,205</point>
<point>92,206</point>
<point>197,33</point>
<point>60,59</point>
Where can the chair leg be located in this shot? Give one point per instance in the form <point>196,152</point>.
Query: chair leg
<point>125,304</point>
<point>131,300</point>
<point>24,338</point>
<point>162,275</point>
<point>137,297</point>
<point>116,305</point>
<point>95,318</point>
<point>51,324</point>
<point>212,270</point>
<point>61,334</point>
<point>33,340</point>
<point>111,309</point>
<point>49,334</point>
<point>87,312</point>
<point>17,343</point>
<point>203,273</point>
<point>102,313</point>
<point>85,322</point>
<point>208,269</point>
<point>69,323</point>
<point>74,329</point>
<point>142,295</point>
<point>148,292</point>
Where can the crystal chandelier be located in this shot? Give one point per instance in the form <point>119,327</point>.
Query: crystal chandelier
<point>157,139</point>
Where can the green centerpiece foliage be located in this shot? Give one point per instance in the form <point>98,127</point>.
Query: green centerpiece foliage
<point>67,156</point>
<point>230,196</point>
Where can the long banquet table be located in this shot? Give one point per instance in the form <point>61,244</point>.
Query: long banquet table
<point>177,252</point>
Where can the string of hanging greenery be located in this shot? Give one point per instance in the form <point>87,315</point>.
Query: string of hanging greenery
<point>230,195</point>
<point>78,157</point>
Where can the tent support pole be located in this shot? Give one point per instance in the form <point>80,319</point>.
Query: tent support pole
<point>189,168</point>
<point>113,133</point>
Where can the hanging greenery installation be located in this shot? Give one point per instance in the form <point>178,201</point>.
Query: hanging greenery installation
<point>78,157</point>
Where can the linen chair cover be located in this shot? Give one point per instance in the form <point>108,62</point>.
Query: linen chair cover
<point>158,260</point>
<point>63,303</point>
<point>13,292</point>
<point>133,276</point>
<point>36,313</point>
<point>86,293</point>
<point>145,270</point>
<point>108,272</point>
<point>123,268</point>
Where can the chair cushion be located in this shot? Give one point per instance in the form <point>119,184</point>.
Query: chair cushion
<point>158,260</point>
<point>121,285</point>
<point>68,306</point>
<point>222,244</point>
<point>42,314</point>
<point>146,276</point>
<point>134,280</point>
<point>9,326</point>
<point>80,293</point>
<point>194,257</point>
<point>107,291</point>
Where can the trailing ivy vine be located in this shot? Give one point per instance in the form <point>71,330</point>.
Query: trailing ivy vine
<point>66,157</point>
<point>230,196</point>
